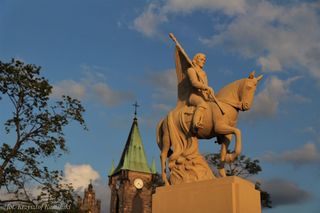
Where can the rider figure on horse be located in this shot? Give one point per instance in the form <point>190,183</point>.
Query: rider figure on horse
<point>201,91</point>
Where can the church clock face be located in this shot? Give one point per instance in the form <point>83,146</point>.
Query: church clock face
<point>138,183</point>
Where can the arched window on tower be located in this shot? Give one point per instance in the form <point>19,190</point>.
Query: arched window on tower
<point>137,204</point>
<point>117,204</point>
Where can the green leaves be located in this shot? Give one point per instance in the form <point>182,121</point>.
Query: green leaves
<point>37,125</point>
<point>243,166</point>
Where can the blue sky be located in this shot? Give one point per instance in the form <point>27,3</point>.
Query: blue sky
<point>110,53</point>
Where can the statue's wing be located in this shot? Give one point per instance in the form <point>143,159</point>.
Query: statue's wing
<point>184,86</point>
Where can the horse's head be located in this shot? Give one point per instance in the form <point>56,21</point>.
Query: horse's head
<point>247,90</point>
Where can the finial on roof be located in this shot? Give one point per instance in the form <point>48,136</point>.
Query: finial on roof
<point>135,109</point>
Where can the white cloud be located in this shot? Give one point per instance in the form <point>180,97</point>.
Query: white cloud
<point>308,154</point>
<point>164,95</point>
<point>79,175</point>
<point>284,192</point>
<point>93,87</point>
<point>102,93</point>
<point>149,20</point>
<point>69,87</point>
<point>277,36</point>
<point>31,190</point>
<point>275,91</point>
<point>230,7</point>
<point>165,85</point>
<point>155,14</point>
<point>270,63</point>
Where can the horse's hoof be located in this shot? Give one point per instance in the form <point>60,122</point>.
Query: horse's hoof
<point>222,173</point>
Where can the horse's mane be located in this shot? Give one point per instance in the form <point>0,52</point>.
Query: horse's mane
<point>231,91</point>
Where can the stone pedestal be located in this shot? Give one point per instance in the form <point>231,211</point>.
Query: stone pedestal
<point>222,195</point>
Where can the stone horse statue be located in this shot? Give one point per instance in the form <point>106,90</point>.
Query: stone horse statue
<point>179,144</point>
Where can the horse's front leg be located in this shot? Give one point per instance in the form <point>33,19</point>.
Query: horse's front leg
<point>223,129</point>
<point>224,141</point>
<point>238,147</point>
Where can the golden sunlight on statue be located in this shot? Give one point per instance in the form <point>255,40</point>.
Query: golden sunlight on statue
<point>201,114</point>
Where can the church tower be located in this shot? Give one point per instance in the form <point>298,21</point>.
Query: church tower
<point>89,203</point>
<point>131,181</point>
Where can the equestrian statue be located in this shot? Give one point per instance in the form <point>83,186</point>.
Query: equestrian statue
<point>201,114</point>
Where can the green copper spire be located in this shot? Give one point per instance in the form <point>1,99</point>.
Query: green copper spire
<point>153,167</point>
<point>133,157</point>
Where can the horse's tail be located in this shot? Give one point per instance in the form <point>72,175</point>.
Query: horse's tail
<point>159,137</point>
<point>159,133</point>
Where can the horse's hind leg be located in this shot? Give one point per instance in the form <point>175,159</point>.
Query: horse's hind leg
<point>164,153</point>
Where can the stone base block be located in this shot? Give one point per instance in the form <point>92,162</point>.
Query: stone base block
<point>222,195</point>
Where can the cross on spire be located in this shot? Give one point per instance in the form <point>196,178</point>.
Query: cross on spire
<point>135,109</point>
